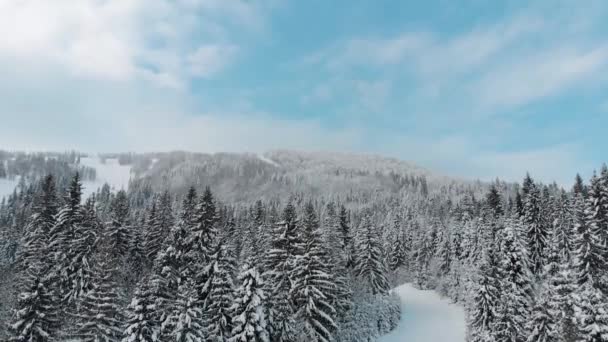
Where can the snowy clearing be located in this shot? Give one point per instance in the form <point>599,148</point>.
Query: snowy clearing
<point>111,172</point>
<point>426,317</point>
<point>7,186</point>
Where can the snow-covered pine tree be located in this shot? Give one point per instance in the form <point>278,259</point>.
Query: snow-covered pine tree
<point>591,314</point>
<point>516,288</point>
<point>596,218</point>
<point>62,238</point>
<point>35,317</point>
<point>494,201</point>
<point>280,260</point>
<point>184,322</point>
<point>537,233</point>
<point>83,247</point>
<point>589,251</point>
<point>398,254</point>
<point>217,317</point>
<point>201,245</point>
<point>313,284</point>
<point>579,187</point>
<point>486,298</point>
<point>99,317</point>
<point>249,321</point>
<point>560,302</point>
<point>119,229</point>
<point>369,259</point>
<point>34,244</point>
<point>541,326</point>
<point>141,314</point>
<point>563,227</point>
<point>444,255</point>
<point>158,225</point>
<point>153,238</point>
<point>347,237</point>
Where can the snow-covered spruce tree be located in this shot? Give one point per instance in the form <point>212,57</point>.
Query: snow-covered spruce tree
<point>444,255</point>
<point>184,322</point>
<point>579,187</point>
<point>217,317</point>
<point>486,298</point>
<point>141,315</point>
<point>369,260</point>
<point>563,227</point>
<point>596,219</point>
<point>35,316</point>
<point>100,314</point>
<point>589,251</point>
<point>34,244</point>
<point>561,286</point>
<point>537,232</point>
<point>174,261</point>
<point>83,247</point>
<point>494,201</point>
<point>201,244</point>
<point>158,226</point>
<point>249,322</point>
<point>313,284</point>
<point>516,290</point>
<point>347,237</point>
<point>541,325</point>
<point>398,254</point>
<point>119,229</point>
<point>591,314</point>
<point>153,239</point>
<point>280,261</point>
<point>61,240</point>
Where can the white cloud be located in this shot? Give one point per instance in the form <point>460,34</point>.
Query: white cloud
<point>208,60</point>
<point>121,40</point>
<point>539,75</point>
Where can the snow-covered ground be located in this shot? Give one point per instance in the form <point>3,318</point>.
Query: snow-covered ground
<point>111,172</point>
<point>7,186</point>
<point>427,318</point>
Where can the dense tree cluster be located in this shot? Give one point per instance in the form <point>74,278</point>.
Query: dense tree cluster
<point>190,268</point>
<point>167,262</point>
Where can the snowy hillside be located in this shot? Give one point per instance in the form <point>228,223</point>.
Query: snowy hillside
<point>279,174</point>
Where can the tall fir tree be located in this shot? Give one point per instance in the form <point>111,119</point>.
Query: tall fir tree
<point>516,287</point>
<point>537,232</point>
<point>99,317</point>
<point>369,260</point>
<point>141,314</point>
<point>248,311</point>
<point>35,316</point>
<point>218,321</point>
<point>119,229</point>
<point>486,298</point>
<point>313,284</point>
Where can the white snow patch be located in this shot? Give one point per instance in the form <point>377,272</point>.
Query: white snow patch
<point>7,186</point>
<point>426,317</point>
<point>111,172</point>
<point>268,160</point>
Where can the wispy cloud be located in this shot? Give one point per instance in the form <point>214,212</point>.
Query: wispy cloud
<point>122,40</point>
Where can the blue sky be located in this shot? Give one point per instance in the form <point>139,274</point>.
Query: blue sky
<point>476,89</point>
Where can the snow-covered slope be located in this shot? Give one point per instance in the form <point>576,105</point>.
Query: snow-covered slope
<point>247,177</point>
<point>111,172</point>
<point>7,186</point>
<point>427,318</point>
